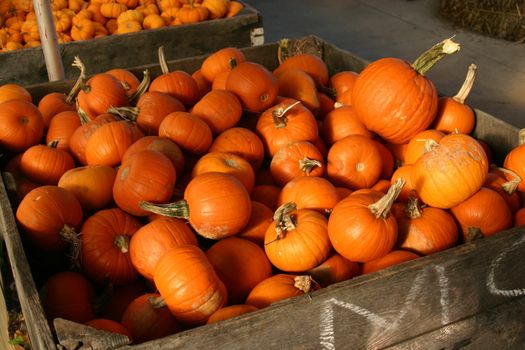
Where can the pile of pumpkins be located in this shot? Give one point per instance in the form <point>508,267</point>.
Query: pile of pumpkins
<point>199,196</point>
<point>82,20</point>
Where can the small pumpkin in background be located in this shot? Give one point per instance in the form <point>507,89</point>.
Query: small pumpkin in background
<point>193,13</point>
<point>216,8</point>
<point>393,258</point>
<point>335,269</point>
<point>453,115</point>
<point>221,61</point>
<point>129,81</point>
<point>14,92</point>
<point>298,85</point>
<point>309,63</point>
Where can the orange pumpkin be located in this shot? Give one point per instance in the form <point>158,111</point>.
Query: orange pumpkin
<point>45,164</point>
<point>221,61</point>
<point>261,217</point>
<point>242,142</point>
<point>21,125</point>
<point>279,287</point>
<point>220,109</point>
<point>178,84</point>
<point>101,92</point>
<point>309,63</point>
<point>61,128</point>
<point>419,144</point>
<point>159,144</point>
<point>341,122</point>
<point>393,258</point>
<point>298,85</point>
<point>335,269</point>
<point>188,131</point>
<point>14,92</point>
<point>310,192</point>
<point>230,311</point>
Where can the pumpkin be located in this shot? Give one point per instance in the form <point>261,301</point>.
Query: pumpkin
<point>129,27</point>
<point>228,163</point>
<point>234,7</point>
<point>148,318</point>
<point>285,123</point>
<point>298,85</point>
<point>451,171</point>
<point>14,92</point>
<point>453,115</point>
<point>109,142</point>
<point>341,122</point>
<point>393,258</point>
<point>419,144</point>
<point>230,311</point>
<point>514,161</point>
<point>151,241</point>
<point>297,159</point>
<point>297,240</point>
<point>309,63</point>
<point>326,105</point>
<point>92,185</point>
<point>361,226</point>
<point>159,144</point>
<point>242,142</point>
<point>21,125</point>
<point>482,214</point>
<point>426,230</point>
<point>45,164</point>
<point>188,131</point>
<point>310,192</point>
<point>267,194</point>
<point>395,99</point>
<point>101,92</point>
<point>217,8</point>
<point>342,84</point>
<point>497,181</point>
<point>279,287</point>
<point>112,9</point>
<point>108,326</point>
<point>205,208</point>
<point>105,246</point>
<point>129,81</point>
<point>49,216</point>
<point>189,285</point>
<point>406,172</point>
<point>178,84</point>
<point>254,85</point>
<point>53,103</point>
<point>240,265</point>
<point>203,84</point>
<point>335,269</point>
<point>153,21</point>
<point>145,176</point>
<point>193,13</point>
<point>220,109</point>
<point>354,162</point>
<point>61,128</point>
<point>83,29</point>
<point>261,217</point>
<point>68,295</point>
<point>220,61</point>
<point>519,217</point>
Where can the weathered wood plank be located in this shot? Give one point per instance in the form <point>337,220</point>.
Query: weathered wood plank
<point>130,50</point>
<point>75,336</point>
<point>502,327</point>
<point>39,330</point>
<point>379,309</point>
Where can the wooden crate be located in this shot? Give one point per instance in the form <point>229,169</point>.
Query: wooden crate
<point>470,296</point>
<point>27,66</point>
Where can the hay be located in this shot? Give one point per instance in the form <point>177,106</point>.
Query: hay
<point>500,18</point>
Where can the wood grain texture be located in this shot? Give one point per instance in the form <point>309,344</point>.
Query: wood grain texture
<point>74,336</point>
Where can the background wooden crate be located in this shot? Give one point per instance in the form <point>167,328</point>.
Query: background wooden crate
<point>27,66</point>
<point>469,296</point>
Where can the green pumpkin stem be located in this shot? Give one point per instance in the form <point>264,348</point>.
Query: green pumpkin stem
<point>127,113</point>
<point>178,209</point>
<point>430,57</point>
<point>122,243</point>
<point>157,302</point>
<point>307,165</point>
<point>162,61</point>
<point>80,83</point>
<point>464,91</point>
<point>142,88</point>
<point>381,208</point>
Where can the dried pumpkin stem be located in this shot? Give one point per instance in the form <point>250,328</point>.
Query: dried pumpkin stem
<point>162,61</point>
<point>464,91</point>
<point>52,144</point>
<point>177,209</point>
<point>521,136</point>
<point>84,118</point>
<point>473,234</point>
<point>69,235</point>
<point>142,88</point>
<point>430,145</point>
<point>512,185</point>
<point>307,165</point>
<point>282,50</point>
<point>381,208</point>
<point>413,209</point>
<point>284,221</point>
<point>279,115</point>
<point>304,283</point>
<point>157,302</point>
<point>80,83</point>
<point>127,113</point>
<point>122,243</point>
<point>430,57</point>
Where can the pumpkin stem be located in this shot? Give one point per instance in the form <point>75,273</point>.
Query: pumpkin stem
<point>127,113</point>
<point>69,235</point>
<point>381,208</point>
<point>122,243</point>
<point>473,233</point>
<point>512,185</point>
<point>142,88</point>
<point>162,61</point>
<point>157,302</point>
<point>464,91</point>
<point>413,210</point>
<point>430,57</point>
<point>279,115</point>
<point>282,50</point>
<point>304,283</point>
<point>178,209</point>
<point>306,165</point>
<point>521,136</point>
<point>52,144</point>
<point>80,83</point>
<point>284,220</point>
<point>430,145</point>
<point>232,62</point>
<point>84,118</point>
<point>337,105</point>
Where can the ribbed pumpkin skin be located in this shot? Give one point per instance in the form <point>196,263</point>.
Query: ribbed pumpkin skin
<point>515,161</point>
<point>452,172</point>
<point>393,100</point>
<point>178,84</point>
<point>104,91</point>
<point>273,289</point>
<point>333,270</point>
<point>21,125</point>
<point>189,284</point>
<point>310,192</point>
<point>392,258</point>
<point>45,165</point>
<point>230,312</point>
<point>153,107</point>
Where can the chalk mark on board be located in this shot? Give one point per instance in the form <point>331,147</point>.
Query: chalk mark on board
<point>491,277</point>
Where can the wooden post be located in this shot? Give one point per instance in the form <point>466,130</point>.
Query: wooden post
<point>49,40</point>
